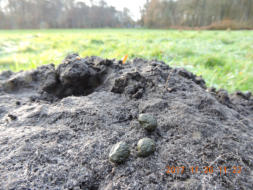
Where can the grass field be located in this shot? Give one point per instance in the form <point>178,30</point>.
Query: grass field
<point>223,58</point>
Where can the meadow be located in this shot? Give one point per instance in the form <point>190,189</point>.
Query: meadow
<point>223,58</point>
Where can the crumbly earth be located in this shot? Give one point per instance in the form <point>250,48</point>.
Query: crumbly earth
<point>57,126</point>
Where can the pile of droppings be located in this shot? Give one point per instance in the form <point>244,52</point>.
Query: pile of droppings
<point>58,125</point>
<point>146,146</point>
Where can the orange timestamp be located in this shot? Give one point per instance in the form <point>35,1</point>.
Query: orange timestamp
<point>204,170</point>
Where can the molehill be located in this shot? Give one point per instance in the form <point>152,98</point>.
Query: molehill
<point>59,125</point>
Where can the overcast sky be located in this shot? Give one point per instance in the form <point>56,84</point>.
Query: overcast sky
<point>132,5</point>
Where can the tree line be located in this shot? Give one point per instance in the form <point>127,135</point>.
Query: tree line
<point>23,14</point>
<point>197,13</point>
<point>206,14</point>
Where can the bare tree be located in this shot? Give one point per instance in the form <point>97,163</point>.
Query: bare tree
<point>196,13</point>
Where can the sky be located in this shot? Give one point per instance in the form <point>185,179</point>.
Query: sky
<point>133,5</point>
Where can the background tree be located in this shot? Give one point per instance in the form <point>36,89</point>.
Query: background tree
<point>216,14</point>
<point>197,13</point>
<point>61,14</point>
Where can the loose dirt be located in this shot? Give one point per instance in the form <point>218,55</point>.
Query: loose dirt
<point>58,125</point>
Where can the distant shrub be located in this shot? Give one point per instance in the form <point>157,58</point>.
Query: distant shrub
<point>228,24</point>
<point>44,25</point>
<point>181,28</point>
<point>225,24</point>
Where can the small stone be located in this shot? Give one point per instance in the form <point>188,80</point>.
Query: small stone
<point>12,117</point>
<point>145,147</point>
<point>148,122</point>
<point>119,153</point>
<point>9,85</point>
<point>245,95</point>
<point>248,95</point>
<point>211,90</point>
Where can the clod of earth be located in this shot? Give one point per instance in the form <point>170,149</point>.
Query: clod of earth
<point>58,125</point>
<point>148,122</point>
<point>119,153</point>
<point>145,146</point>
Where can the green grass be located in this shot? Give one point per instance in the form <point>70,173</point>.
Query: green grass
<point>223,58</point>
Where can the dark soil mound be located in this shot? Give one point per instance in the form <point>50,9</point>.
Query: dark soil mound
<point>57,127</point>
